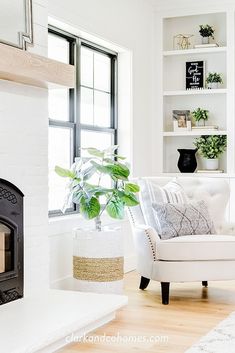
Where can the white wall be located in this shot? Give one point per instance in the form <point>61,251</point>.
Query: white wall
<point>23,158</point>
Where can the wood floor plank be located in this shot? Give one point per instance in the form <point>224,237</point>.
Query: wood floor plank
<point>192,312</point>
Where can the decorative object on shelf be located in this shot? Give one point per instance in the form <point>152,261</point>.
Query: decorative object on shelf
<point>195,74</point>
<point>99,268</point>
<point>211,148</point>
<point>200,116</point>
<point>182,41</point>
<point>213,80</point>
<point>16,23</point>
<point>206,31</point>
<point>181,120</point>
<point>187,162</point>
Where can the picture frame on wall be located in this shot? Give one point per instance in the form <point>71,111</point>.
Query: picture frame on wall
<point>195,75</point>
<point>181,120</point>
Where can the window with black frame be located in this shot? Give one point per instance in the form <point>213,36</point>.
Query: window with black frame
<point>81,117</point>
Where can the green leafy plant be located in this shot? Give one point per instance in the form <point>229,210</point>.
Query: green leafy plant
<point>206,31</point>
<point>214,77</point>
<point>211,147</point>
<point>200,114</point>
<point>99,165</point>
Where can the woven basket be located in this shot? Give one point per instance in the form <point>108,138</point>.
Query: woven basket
<point>98,261</point>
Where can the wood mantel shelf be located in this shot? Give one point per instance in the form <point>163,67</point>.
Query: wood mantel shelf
<point>35,70</point>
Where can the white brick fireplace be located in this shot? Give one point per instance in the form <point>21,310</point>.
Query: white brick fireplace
<point>23,156</point>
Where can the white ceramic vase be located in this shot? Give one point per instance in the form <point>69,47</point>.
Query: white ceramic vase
<point>205,40</point>
<point>211,164</point>
<point>98,260</point>
<point>213,85</point>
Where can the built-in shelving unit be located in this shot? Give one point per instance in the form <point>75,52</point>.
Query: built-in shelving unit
<point>219,102</point>
<point>27,68</point>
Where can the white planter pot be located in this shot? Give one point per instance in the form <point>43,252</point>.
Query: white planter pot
<point>205,40</point>
<point>211,164</point>
<point>98,260</point>
<point>213,85</point>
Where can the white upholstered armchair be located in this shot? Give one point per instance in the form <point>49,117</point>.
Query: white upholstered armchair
<point>186,258</point>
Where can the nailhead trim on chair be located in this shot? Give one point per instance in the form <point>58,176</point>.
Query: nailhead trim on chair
<point>147,234</point>
<point>151,243</point>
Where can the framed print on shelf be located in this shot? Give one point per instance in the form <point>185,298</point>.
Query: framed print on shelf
<point>195,75</point>
<point>181,120</point>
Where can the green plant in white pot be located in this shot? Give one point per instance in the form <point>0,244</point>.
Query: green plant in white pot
<point>98,253</point>
<point>200,115</point>
<point>206,32</point>
<point>214,80</point>
<point>211,147</point>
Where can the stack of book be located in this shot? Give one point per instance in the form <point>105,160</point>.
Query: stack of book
<point>205,127</point>
<point>199,46</point>
<point>209,171</point>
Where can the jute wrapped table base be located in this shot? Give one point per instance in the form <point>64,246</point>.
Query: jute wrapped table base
<point>98,269</point>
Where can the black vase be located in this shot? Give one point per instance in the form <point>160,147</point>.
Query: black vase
<point>187,162</point>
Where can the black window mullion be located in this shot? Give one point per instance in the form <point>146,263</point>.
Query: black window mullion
<point>78,97</point>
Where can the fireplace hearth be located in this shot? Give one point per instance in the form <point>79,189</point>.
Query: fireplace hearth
<point>11,242</point>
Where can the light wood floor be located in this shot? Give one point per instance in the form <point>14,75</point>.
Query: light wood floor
<point>192,312</point>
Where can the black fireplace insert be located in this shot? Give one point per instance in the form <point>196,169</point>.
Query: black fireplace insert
<point>11,242</point>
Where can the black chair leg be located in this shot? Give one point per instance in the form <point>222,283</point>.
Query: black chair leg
<point>165,292</point>
<point>144,282</point>
<point>204,283</point>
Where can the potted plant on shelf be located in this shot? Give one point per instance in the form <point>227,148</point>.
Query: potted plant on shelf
<point>211,148</point>
<point>213,80</point>
<point>98,253</point>
<point>200,115</point>
<point>206,31</point>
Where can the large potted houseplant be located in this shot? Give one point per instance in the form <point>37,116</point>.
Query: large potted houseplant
<point>214,80</point>
<point>211,148</point>
<point>206,32</point>
<point>98,253</point>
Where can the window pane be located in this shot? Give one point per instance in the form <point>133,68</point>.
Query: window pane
<point>102,72</point>
<point>58,101</point>
<point>100,140</point>
<point>59,154</point>
<point>58,48</point>
<point>86,67</point>
<point>102,111</point>
<point>86,106</point>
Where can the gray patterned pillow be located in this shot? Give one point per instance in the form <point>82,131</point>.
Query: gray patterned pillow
<point>150,192</point>
<point>183,219</point>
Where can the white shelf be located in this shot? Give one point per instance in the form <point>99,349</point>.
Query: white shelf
<point>194,133</point>
<point>195,92</point>
<point>195,51</point>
